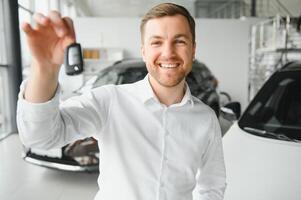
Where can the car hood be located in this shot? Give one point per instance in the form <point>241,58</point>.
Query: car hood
<point>260,168</point>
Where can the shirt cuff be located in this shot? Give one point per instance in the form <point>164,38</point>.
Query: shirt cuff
<point>37,111</point>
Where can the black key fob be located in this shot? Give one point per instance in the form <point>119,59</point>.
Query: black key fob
<point>74,63</point>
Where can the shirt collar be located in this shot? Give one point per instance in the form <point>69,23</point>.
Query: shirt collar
<point>146,93</point>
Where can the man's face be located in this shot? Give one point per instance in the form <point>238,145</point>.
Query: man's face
<point>168,49</point>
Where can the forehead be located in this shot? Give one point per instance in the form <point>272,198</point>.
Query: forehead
<point>167,26</point>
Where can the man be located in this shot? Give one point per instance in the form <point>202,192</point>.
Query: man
<point>156,140</point>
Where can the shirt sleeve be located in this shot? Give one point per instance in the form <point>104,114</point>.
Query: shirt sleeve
<point>211,180</point>
<point>54,124</point>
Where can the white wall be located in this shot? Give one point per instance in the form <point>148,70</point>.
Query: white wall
<point>221,44</point>
<point>129,8</point>
<point>110,32</point>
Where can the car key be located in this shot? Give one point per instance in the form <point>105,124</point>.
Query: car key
<point>73,59</point>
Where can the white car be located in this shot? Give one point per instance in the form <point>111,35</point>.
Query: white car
<point>263,149</point>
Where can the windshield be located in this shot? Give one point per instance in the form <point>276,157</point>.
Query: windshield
<point>132,75</point>
<point>200,80</point>
<point>276,110</point>
<point>120,76</point>
<point>108,76</point>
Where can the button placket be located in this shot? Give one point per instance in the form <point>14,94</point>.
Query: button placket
<point>164,133</point>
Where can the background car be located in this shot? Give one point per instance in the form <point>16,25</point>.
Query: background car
<point>83,154</point>
<point>263,149</point>
<point>201,81</point>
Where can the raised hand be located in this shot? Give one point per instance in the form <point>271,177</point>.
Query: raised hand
<point>47,42</point>
<point>48,39</point>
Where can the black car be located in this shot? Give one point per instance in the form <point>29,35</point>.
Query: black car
<point>201,81</point>
<point>82,155</point>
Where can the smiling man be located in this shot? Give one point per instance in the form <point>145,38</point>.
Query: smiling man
<point>156,140</point>
<point>168,48</point>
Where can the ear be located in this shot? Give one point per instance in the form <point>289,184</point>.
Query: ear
<point>142,49</point>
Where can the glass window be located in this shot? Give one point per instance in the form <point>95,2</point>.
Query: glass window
<point>132,75</point>
<point>276,110</point>
<point>107,77</point>
<point>200,79</point>
<point>4,106</point>
<point>25,15</point>
<point>2,36</point>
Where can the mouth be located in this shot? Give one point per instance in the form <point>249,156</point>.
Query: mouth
<point>169,65</point>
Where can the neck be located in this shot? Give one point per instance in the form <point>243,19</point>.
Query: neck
<point>168,95</point>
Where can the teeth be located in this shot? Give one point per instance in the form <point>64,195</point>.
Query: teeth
<point>168,65</point>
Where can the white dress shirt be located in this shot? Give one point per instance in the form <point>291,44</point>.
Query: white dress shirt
<point>148,151</point>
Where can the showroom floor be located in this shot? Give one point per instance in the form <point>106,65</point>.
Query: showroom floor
<point>20,180</point>
<point>23,181</point>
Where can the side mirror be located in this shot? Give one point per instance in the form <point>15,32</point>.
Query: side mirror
<point>231,111</point>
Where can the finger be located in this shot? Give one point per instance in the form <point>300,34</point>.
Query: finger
<point>27,28</point>
<point>70,37</point>
<point>57,23</point>
<point>41,20</point>
<point>69,23</point>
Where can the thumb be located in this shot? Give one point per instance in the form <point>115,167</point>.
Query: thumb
<point>68,40</point>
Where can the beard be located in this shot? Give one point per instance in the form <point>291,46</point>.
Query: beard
<point>168,78</point>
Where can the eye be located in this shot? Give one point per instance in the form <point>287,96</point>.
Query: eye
<point>180,41</point>
<point>156,43</point>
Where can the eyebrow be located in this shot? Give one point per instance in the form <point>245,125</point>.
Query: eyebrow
<point>176,36</point>
<point>155,37</point>
<point>182,35</point>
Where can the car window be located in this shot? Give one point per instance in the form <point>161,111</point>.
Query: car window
<point>109,76</point>
<point>193,84</point>
<point>276,110</point>
<point>132,75</point>
<point>200,80</point>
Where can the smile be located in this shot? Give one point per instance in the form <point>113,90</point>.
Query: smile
<point>169,65</point>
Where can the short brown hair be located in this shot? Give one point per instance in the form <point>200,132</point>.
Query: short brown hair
<point>167,9</point>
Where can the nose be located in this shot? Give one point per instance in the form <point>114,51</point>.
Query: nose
<point>168,51</point>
